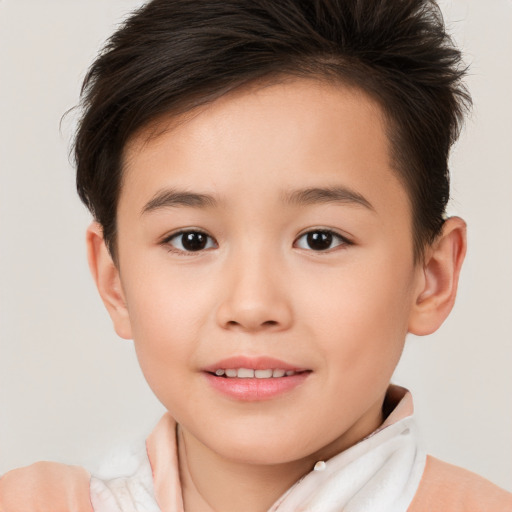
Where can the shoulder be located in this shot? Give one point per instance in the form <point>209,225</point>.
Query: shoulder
<point>448,488</point>
<point>45,487</point>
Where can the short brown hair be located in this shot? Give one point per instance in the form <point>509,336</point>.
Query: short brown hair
<point>171,56</point>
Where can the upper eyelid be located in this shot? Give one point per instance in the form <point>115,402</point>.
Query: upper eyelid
<point>165,242</point>
<point>346,239</point>
<point>334,232</point>
<point>343,241</point>
<point>182,231</point>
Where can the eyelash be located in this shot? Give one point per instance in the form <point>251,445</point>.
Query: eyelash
<point>167,241</point>
<point>342,241</point>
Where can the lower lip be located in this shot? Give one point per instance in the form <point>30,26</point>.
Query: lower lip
<point>255,389</point>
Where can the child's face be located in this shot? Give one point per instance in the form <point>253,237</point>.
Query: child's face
<point>335,303</point>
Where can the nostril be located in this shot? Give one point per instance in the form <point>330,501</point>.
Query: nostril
<point>267,323</point>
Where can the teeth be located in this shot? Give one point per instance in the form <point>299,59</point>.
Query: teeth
<point>263,374</point>
<point>249,373</point>
<point>245,373</point>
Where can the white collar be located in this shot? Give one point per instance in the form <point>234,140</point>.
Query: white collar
<point>381,473</point>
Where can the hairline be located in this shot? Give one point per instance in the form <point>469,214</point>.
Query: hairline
<point>195,105</point>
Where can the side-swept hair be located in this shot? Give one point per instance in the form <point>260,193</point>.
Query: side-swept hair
<point>171,56</point>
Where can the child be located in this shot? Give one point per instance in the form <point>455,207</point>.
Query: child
<point>269,182</point>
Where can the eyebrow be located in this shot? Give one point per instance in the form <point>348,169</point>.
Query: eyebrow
<point>172,197</point>
<point>308,196</point>
<point>319,195</point>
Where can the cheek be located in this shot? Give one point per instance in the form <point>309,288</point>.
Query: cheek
<point>165,301</point>
<point>166,314</point>
<point>361,315</point>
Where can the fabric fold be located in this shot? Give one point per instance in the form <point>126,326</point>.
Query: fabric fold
<point>381,473</point>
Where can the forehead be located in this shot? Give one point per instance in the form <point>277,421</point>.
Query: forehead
<point>303,130</point>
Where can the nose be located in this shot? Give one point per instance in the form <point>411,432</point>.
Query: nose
<point>255,296</point>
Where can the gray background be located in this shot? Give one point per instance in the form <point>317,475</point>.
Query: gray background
<point>70,390</point>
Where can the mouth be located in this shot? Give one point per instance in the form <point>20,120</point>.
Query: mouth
<point>250,373</point>
<point>254,379</point>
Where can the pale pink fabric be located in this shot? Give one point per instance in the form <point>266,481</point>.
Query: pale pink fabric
<point>45,487</point>
<point>385,467</point>
<point>442,488</point>
<point>52,487</point>
<point>447,488</point>
<point>163,456</point>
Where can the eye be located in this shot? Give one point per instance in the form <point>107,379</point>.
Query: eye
<point>320,240</point>
<point>189,241</point>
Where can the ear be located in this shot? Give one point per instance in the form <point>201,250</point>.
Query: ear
<point>106,276</point>
<point>439,277</point>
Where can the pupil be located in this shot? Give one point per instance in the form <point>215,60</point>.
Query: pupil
<point>319,240</point>
<point>194,241</point>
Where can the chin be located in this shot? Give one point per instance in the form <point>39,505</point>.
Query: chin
<point>260,448</point>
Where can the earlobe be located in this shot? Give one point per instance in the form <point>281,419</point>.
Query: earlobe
<point>437,289</point>
<point>106,276</point>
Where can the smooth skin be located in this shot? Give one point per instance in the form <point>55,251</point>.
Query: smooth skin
<point>260,286</point>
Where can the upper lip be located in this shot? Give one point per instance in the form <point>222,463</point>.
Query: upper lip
<point>256,363</point>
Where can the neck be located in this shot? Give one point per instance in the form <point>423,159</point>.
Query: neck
<point>212,483</point>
